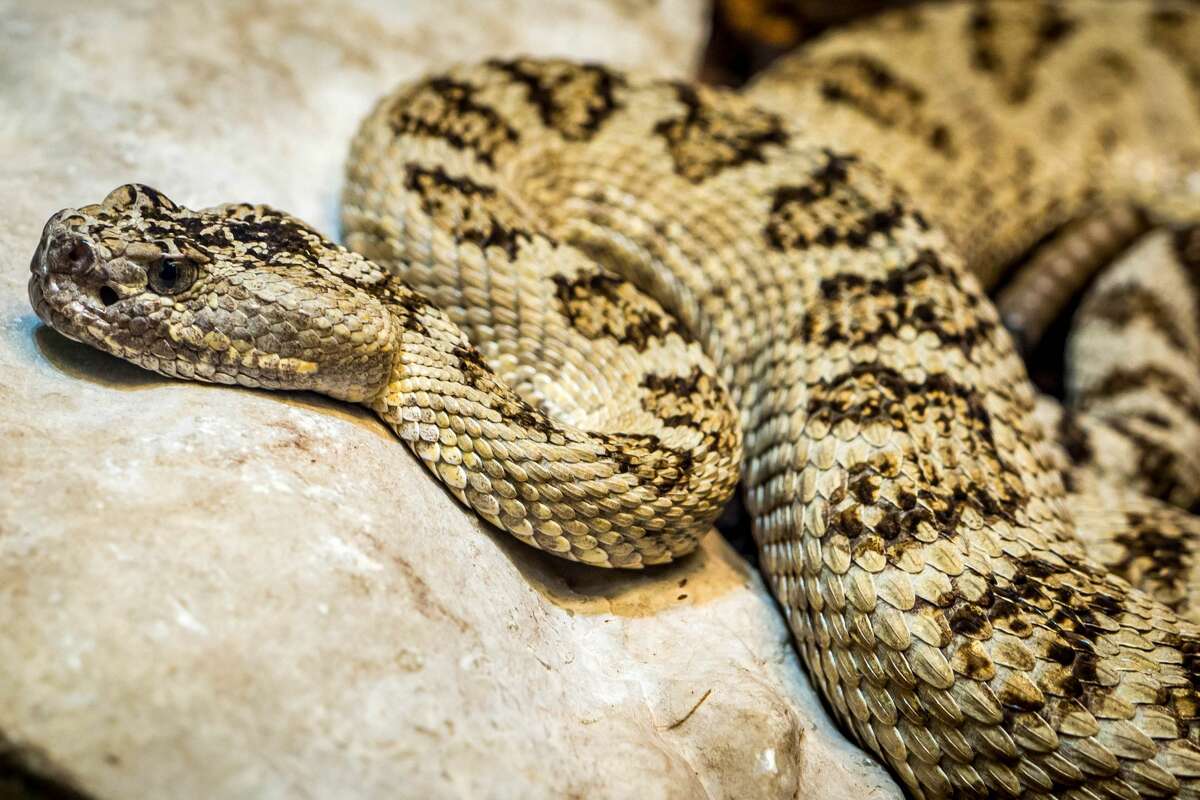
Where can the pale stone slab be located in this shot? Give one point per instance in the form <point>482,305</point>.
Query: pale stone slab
<point>211,592</point>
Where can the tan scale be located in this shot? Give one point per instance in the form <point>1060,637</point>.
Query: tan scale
<point>956,556</point>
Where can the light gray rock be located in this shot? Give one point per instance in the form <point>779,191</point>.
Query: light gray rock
<point>211,592</point>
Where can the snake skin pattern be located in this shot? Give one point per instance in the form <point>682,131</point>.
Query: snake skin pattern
<point>993,591</point>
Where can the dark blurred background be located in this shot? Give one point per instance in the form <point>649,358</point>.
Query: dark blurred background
<point>748,34</point>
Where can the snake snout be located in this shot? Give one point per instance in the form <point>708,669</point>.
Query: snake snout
<point>51,237</point>
<point>69,271</point>
<point>70,254</point>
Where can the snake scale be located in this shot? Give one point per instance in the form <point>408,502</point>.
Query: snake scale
<point>592,302</point>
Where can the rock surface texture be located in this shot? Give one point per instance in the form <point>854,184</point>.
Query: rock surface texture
<point>211,592</point>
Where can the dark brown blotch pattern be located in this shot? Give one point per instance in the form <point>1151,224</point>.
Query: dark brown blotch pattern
<point>862,310</point>
<point>470,211</point>
<point>514,408</point>
<point>601,305</point>
<point>1167,385</point>
<point>573,99</point>
<point>446,109</point>
<point>1126,303</point>
<point>716,132</point>
<point>656,466</point>
<point>829,208</point>
<point>1010,41</point>
<point>875,90</point>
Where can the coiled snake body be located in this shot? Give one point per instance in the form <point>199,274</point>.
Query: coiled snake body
<point>992,591</point>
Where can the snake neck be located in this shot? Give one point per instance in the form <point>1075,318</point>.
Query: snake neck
<point>615,499</point>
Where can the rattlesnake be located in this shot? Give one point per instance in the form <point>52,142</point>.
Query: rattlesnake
<point>990,589</point>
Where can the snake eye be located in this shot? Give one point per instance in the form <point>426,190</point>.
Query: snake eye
<point>171,275</point>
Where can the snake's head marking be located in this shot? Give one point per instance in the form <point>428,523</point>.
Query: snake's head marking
<point>232,294</point>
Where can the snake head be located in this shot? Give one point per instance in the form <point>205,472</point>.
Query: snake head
<point>232,294</point>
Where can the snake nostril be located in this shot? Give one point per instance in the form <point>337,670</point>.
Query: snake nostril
<point>80,255</point>
<point>108,295</point>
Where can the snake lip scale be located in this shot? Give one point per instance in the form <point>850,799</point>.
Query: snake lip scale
<point>592,302</point>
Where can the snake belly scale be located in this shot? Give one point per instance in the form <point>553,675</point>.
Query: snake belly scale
<point>592,302</point>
